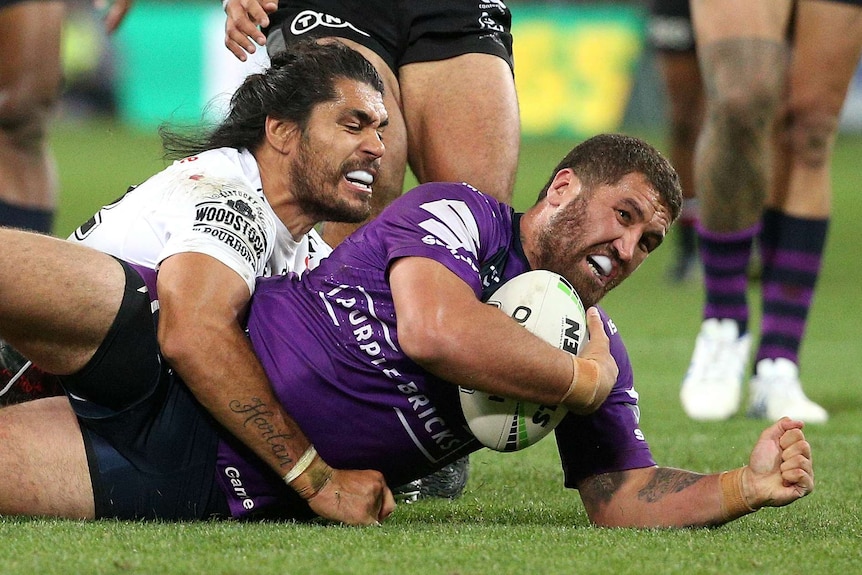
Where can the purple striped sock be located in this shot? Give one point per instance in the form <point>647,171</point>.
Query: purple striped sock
<point>792,255</point>
<point>725,268</point>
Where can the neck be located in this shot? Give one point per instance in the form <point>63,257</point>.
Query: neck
<point>276,188</point>
<point>528,236</point>
<point>296,222</point>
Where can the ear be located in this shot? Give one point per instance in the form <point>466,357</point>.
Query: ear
<point>280,133</point>
<point>564,184</point>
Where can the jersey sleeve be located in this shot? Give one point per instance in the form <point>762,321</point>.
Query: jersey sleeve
<point>226,219</point>
<point>609,439</point>
<point>453,224</point>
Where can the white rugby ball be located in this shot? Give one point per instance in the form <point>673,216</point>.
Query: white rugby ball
<point>546,304</point>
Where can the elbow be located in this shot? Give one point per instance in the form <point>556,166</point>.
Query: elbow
<point>424,342</point>
<point>176,345</point>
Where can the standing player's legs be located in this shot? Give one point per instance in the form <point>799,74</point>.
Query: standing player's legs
<point>463,122</point>
<point>43,464</point>
<point>744,57</point>
<point>685,96</point>
<point>798,209</point>
<point>30,80</point>
<point>671,37</point>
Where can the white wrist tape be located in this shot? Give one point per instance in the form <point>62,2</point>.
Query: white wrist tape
<point>301,465</point>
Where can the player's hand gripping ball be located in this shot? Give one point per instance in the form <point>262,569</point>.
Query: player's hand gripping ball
<point>547,305</point>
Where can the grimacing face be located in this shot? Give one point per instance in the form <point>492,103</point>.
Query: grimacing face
<point>602,235</point>
<point>338,156</point>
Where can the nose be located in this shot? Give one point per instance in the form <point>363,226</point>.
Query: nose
<point>373,144</point>
<point>626,244</point>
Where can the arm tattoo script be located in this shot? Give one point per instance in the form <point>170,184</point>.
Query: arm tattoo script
<point>258,415</point>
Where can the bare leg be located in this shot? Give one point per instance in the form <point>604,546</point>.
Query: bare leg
<point>57,299</point>
<point>826,50</point>
<point>681,74</point>
<point>463,123</point>
<point>30,79</point>
<point>43,465</point>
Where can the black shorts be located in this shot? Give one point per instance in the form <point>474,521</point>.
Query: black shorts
<point>7,3</point>
<point>669,26</point>
<point>150,446</point>
<point>400,31</point>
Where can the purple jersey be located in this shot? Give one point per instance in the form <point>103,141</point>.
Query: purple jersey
<point>330,347</point>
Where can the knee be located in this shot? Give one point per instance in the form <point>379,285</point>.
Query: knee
<point>745,111</point>
<point>808,133</point>
<point>26,105</point>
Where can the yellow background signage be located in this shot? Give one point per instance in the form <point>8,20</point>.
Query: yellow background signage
<point>574,66</point>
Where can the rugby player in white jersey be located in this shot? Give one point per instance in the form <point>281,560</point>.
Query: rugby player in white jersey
<point>301,143</point>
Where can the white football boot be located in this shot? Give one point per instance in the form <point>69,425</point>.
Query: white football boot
<point>776,392</point>
<point>712,388</point>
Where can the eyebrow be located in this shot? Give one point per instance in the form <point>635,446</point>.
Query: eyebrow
<point>366,119</point>
<point>636,208</point>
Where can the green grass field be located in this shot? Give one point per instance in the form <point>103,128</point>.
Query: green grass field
<point>515,518</point>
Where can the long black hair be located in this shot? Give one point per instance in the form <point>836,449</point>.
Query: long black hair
<point>296,80</point>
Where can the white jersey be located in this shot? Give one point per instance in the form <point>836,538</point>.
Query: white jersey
<point>211,203</point>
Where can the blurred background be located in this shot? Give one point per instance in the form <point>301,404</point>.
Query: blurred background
<point>581,67</point>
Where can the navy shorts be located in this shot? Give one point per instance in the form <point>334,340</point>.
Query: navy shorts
<point>669,26</point>
<point>150,446</point>
<point>399,31</point>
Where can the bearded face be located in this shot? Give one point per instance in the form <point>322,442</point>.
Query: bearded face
<point>564,248</point>
<point>600,236</point>
<point>320,185</point>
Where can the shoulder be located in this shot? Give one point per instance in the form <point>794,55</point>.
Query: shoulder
<point>456,206</point>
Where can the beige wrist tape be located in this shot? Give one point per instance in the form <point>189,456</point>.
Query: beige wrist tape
<point>585,382</point>
<point>733,503</point>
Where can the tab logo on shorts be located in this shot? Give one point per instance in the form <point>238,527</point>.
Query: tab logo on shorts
<point>488,23</point>
<point>308,20</point>
<point>489,4</point>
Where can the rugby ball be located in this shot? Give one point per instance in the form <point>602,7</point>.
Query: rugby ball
<point>547,305</point>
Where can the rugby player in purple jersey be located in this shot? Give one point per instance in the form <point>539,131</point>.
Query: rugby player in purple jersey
<point>366,353</point>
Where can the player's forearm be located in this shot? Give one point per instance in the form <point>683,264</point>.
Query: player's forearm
<point>483,349</point>
<point>235,390</point>
<point>469,343</point>
<point>663,497</point>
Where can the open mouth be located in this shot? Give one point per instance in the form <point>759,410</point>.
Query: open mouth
<point>361,178</point>
<point>601,265</point>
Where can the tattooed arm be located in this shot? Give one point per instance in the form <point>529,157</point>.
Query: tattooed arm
<point>201,303</point>
<point>779,472</point>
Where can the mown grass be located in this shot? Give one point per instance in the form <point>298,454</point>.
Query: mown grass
<point>515,517</point>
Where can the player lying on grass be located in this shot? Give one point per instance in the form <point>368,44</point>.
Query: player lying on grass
<point>301,142</point>
<point>366,353</point>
